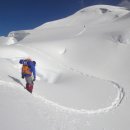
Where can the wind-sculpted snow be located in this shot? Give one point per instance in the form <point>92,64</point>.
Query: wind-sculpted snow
<point>14,37</point>
<point>7,40</point>
<point>121,38</point>
<point>18,35</point>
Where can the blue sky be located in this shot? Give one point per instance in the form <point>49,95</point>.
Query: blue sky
<point>28,14</point>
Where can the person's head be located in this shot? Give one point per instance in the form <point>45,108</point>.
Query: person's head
<point>28,58</point>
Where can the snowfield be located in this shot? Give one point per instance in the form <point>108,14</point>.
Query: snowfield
<point>83,73</point>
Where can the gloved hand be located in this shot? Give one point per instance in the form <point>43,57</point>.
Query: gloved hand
<point>22,77</point>
<point>34,79</point>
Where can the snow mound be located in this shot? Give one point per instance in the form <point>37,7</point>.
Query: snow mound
<point>121,37</point>
<point>125,17</point>
<point>14,37</point>
<point>7,40</point>
<point>11,40</point>
<point>51,76</point>
<point>19,35</point>
<point>63,51</point>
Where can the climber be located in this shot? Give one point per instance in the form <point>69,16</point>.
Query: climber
<point>28,67</point>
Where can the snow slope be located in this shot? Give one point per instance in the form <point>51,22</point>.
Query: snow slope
<point>82,73</point>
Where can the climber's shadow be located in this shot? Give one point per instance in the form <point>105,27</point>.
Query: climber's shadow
<point>16,80</point>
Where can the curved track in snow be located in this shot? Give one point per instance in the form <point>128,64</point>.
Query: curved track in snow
<point>115,103</point>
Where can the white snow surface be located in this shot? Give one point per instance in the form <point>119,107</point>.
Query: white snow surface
<point>83,73</point>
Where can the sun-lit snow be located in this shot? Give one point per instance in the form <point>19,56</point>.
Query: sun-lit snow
<point>82,73</point>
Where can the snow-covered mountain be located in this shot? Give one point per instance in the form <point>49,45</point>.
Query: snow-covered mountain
<point>82,73</point>
<point>125,3</point>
